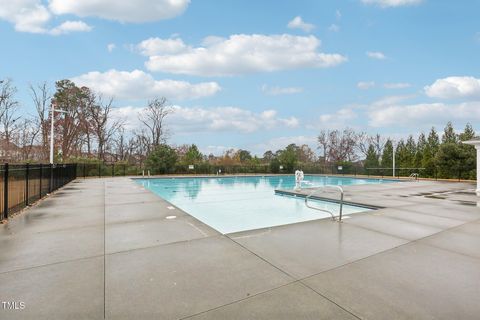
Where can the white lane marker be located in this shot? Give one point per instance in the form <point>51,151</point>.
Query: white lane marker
<point>171,217</point>
<point>170,208</point>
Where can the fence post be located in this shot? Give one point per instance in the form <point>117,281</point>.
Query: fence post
<point>27,174</point>
<point>5,192</point>
<point>124,166</point>
<point>84,171</point>
<point>99,170</point>
<point>113,170</point>
<point>50,182</point>
<point>40,180</point>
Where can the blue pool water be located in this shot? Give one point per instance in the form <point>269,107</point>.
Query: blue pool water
<point>232,204</point>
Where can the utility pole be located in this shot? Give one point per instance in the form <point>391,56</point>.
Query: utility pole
<point>393,157</point>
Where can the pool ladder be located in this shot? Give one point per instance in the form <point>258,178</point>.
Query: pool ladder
<point>340,189</point>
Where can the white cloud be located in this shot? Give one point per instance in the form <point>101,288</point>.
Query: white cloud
<point>422,114</point>
<point>397,85</point>
<point>340,119</point>
<point>275,91</point>
<point>26,15</point>
<point>33,17</point>
<point>124,11</point>
<point>111,47</point>
<point>365,85</point>
<point>243,54</point>
<point>454,87</point>
<point>391,100</point>
<point>298,23</point>
<point>334,28</point>
<point>70,26</point>
<point>157,46</point>
<point>185,120</point>
<point>228,119</point>
<point>140,85</point>
<point>376,55</point>
<point>392,3</point>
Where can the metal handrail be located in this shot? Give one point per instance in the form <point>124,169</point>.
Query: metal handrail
<point>414,176</point>
<point>319,209</point>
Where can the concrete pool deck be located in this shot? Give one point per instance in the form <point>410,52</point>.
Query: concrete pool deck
<point>105,248</point>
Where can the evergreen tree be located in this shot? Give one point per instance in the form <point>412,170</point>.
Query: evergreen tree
<point>372,159</point>
<point>420,150</point>
<point>193,155</point>
<point>467,134</point>
<point>468,152</point>
<point>288,157</point>
<point>430,151</point>
<point>410,150</point>
<point>244,155</point>
<point>449,135</point>
<point>453,161</point>
<point>400,154</point>
<point>387,156</point>
<point>162,159</point>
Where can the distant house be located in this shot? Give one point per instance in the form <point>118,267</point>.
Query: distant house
<point>9,151</point>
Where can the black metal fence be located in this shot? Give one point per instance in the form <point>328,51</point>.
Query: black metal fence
<point>23,184</point>
<point>436,173</point>
<point>121,169</point>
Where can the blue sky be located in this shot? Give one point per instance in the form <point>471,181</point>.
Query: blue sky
<point>257,74</point>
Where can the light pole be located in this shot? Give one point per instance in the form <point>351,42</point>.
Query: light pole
<point>52,115</point>
<point>393,157</point>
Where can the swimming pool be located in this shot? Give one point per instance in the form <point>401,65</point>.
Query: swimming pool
<point>232,204</point>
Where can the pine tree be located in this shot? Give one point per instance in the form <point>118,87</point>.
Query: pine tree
<point>449,135</point>
<point>372,159</point>
<point>430,151</point>
<point>420,150</point>
<point>410,150</point>
<point>467,134</point>
<point>193,155</point>
<point>468,152</point>
<point>400,156</point>
<point>387,156</point>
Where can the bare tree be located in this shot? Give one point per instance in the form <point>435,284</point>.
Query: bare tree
<point>121,145</point>
<point>364,141</point>
<point>25,137</point>
<point>8,114</point>
<point>103,126</point>
<point>378,143</point>
<point>324,144</point>
<point>140,145</point>
<point>152,117</point>
<point>339,145</point>
<point>41,97</point>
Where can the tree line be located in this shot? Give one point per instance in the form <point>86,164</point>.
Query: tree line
<point>85,126</point>
<point>87,130</point>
